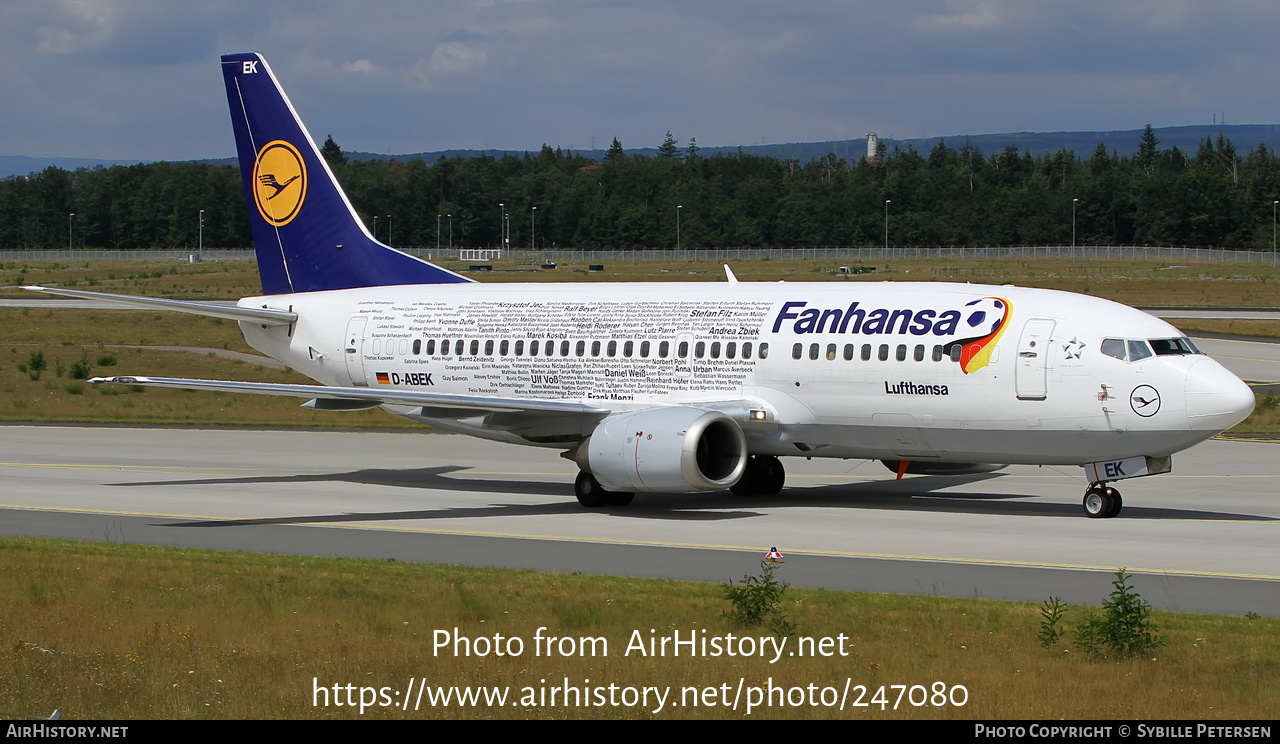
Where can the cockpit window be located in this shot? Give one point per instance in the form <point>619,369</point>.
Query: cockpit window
<point>1138,350</point>
<point>1182,345</point>
<point>1114,347</point>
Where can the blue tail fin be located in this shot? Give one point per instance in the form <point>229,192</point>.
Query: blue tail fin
<point>307,236</point>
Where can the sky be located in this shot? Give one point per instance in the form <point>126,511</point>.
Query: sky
<point>140,79</point>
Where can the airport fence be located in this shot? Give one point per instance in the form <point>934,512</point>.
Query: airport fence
<point>844,255</point>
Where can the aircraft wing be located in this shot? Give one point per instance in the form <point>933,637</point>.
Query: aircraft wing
<point>265,316</point>
<point>441,405</point>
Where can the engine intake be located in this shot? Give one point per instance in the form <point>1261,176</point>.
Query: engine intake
<point>665,450</point>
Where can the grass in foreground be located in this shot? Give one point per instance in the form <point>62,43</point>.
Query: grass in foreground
<point>114,631</point>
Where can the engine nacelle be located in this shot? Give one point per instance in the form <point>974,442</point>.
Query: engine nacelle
<point>665,450</point>
<point>944,468</point>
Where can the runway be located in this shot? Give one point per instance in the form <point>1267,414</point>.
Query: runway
<point>1201,539</point>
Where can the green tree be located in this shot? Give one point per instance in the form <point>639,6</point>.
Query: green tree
<point>333,153</point>
<point>668,148</point>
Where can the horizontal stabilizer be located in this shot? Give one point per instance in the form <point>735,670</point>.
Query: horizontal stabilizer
<point>265,316</point>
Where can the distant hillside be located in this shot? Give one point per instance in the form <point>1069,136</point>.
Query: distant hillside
<point>18,165</point>
<point>1125,142</point>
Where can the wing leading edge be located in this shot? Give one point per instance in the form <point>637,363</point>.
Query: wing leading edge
<point>431,401</point>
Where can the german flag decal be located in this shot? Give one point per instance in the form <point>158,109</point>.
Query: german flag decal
<point>383,378</point>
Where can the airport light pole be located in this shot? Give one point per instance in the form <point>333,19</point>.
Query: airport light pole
<point>69,230</point>
<point>388,229</point>
<point>1073,226</point>
<point>375,227</point>
<point>502,222</point>
<point>678,208</point>
<point>200,245</point>
<point>533,228</point>
<point>1273,233</point>
<point>450,230</point>
<point>438,216</point>
<point>886,225</point>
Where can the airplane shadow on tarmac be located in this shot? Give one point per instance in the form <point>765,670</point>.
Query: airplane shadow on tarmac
<point>912,494</point>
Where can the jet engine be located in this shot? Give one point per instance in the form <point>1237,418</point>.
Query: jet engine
<point>665,450</point>
<point>944,468</point>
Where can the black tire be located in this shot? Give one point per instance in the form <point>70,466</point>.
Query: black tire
<point>749,483</point>
<point>1117,503</point>
<point>1100,503</point>
<point>618,498</point>
<point>763,476</point>
<point>775,476</point>
<point>589,492</point>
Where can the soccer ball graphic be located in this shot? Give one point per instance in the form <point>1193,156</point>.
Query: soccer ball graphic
<point>984,316</point>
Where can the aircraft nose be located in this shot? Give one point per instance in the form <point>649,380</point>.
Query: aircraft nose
<point>1216,399</point>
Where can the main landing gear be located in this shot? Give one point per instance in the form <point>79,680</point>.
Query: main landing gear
<point>1102,501</point>
<point>763,476</point>
<point>592,496</point>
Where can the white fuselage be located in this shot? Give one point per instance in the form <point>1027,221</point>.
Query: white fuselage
<point>858,370</point>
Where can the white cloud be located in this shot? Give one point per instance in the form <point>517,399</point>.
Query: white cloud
<point>447,62</point>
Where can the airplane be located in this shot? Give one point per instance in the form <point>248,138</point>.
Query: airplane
<point>653,388</point>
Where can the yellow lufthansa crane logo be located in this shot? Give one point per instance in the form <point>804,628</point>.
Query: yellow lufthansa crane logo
<point>279,182</point>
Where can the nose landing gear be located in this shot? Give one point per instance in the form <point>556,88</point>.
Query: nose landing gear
<point>1102,501</point>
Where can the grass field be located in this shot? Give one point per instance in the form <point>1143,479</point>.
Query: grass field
<point>112,631</point>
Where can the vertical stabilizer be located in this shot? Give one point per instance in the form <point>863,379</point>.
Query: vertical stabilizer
<point>307,236</point>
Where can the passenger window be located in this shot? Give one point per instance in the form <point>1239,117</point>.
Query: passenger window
<point>417,346</point>
<point>488,347</point>
<point>1138,350</point>
<point>746,350</point>
<point>475,348</point>
<point>595,348</point>
<point>628,348</point>
<point>581,349</point>
<point>831,352</point>
<point>866,352</point>
<point>459,347</point>
<point>700,349</point>
<point>431,346</point>
<point>683,350</point>
<point>956,352</point>
<point>884,353</point>
<point>715,349</point>
<point>797,351</point>
<point>901,353</point>
<point>550,348</point>
<point>813,351</point>
<point>504,348</point>
<point>612,349</point>
<point>848,352</point>
<point>731,350</point>
<point>764,351</point>
<point>1114,347</point>
<point>937,353</point>
<point>919,357</point>
<point>664,348</point>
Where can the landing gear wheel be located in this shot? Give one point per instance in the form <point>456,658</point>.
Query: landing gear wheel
<point>763,476</point>
<point>592,496</point>
<point>1116,503</point>
<point>774,475</point>
<point>618,498</point>
<point>1102,502</point>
